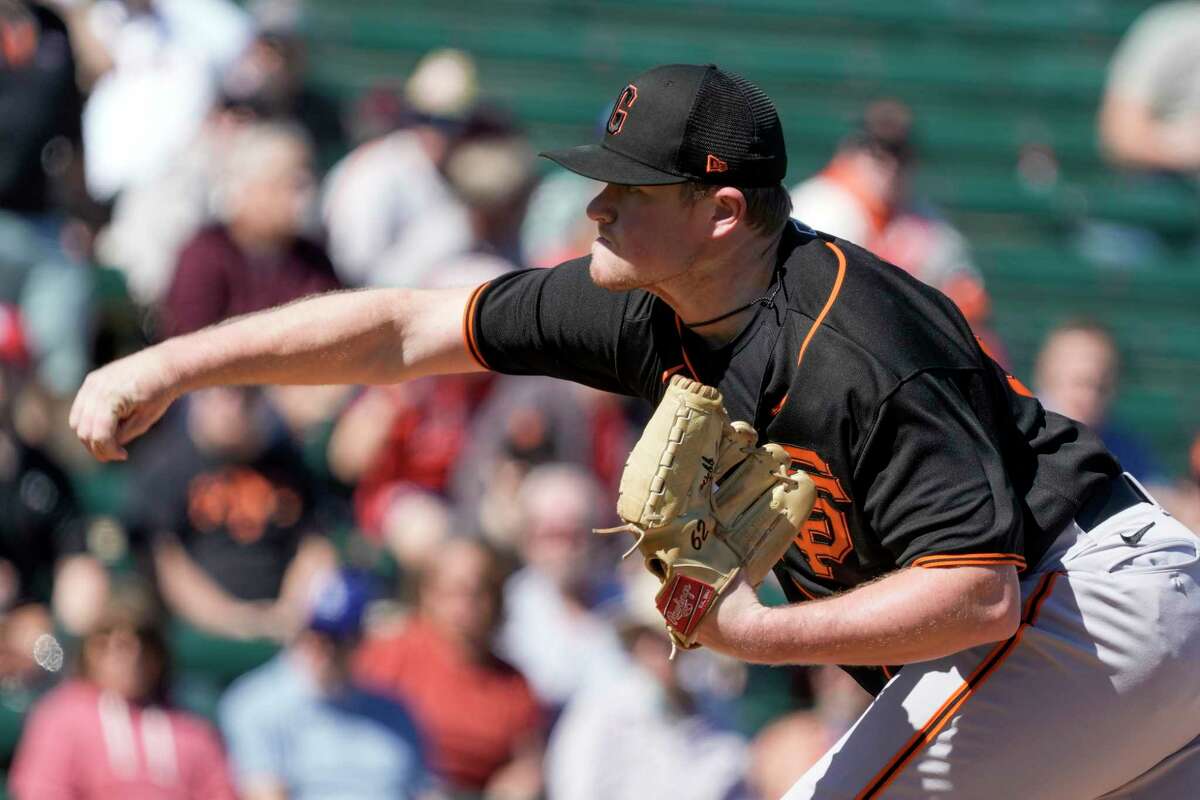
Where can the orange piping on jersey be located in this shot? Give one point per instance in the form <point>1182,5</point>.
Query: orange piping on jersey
<point>1020,565</point>
<point>986,668</point>
<point>667,373</point>
<point>987,351</point>
<point>686,360</point>
<point>887,673</point>
<point>833,294</point>
<point>972,559</point>
<point>1019,387</point>
<point>1013,382</point>
<point>469,326</point>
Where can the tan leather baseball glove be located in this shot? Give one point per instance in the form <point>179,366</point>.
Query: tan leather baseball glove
<point>706,503</point>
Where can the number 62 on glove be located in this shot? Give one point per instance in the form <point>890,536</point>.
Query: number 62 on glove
<point>706,503</point>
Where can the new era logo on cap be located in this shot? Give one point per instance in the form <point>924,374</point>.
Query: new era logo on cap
<point>685,122</point>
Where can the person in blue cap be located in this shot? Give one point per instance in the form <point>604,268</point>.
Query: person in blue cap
<point>299,726</point>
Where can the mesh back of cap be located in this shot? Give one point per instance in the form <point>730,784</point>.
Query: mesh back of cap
<point>735,121</point>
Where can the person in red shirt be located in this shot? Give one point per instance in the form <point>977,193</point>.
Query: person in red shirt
<point>478,714</point>
<point>109,732</point>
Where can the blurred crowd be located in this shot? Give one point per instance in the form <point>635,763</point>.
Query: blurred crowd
<point>368,592</point>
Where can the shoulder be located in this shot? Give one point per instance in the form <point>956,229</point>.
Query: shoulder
<point>871,309</point>
<point>65,708</point>
<point>209,241</point>
<point>194,732</point>
<point>828,206</point>
<point>510,683</point>
<point>385,657</point>
<point>271,686</point>
<point>1162,33</point>
<point>385,710</point>
<point>213,235</point>
<point>1171,20</point>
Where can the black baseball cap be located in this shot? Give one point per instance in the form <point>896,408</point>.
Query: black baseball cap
<point>686,122</point>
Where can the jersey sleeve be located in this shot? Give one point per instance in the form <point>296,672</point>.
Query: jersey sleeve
<point>933,480</point>
<point>554,322</point>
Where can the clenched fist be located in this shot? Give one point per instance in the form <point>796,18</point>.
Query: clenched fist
<point>118,402</point>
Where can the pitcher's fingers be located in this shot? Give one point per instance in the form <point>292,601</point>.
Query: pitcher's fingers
<point>134,426</point>
<point>97,429</point>
<point>107,450</point>
<point>73,417</point>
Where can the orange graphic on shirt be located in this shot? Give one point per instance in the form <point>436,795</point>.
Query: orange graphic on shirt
<point>825,537</point>
<point>243,502</point>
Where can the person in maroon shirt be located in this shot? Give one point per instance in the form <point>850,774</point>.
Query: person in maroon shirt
<point>257,257</point>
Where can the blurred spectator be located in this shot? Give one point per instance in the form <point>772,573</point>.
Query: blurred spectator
<point>481,720</point>
<point>528,422</point>
<point>299,727</point>
<point>41,122</point>
<point>41,525</point>
<point>492,177</point>
<point>166,56</point>
<point>784,750</point>
<point>1150,116</point>
<point>232,518</point>
<point>153,220</point>
<point>400,442</point>
<point>257,258</point>
<point>550,631</point>
<point>1076,375</point>
<point>111,733</point>
<point>267,80</point>
<point>397,440</point>
<point>389,213</point>
<point>557,227</point>
<point>40,169</point>
<point>1183,499</point>
<point>864,195</point>
<point>637,733</point>
<point>471,438</point>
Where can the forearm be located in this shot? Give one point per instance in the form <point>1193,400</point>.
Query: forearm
<point>194,596</point>
<point>342,337</point>
<point>315,557</point>
<point>909,616</point>
<point>372,336</point>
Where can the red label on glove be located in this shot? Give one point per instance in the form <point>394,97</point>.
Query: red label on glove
<point>683,602</point>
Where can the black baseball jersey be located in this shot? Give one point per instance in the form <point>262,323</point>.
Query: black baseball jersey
<point>923,450</point>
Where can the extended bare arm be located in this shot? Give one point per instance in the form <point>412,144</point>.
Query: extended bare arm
<point>370,336</point>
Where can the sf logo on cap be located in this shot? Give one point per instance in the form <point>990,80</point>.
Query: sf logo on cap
<point>621,110</point>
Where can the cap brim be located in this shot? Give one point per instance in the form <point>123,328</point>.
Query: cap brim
<point>599,163</point>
